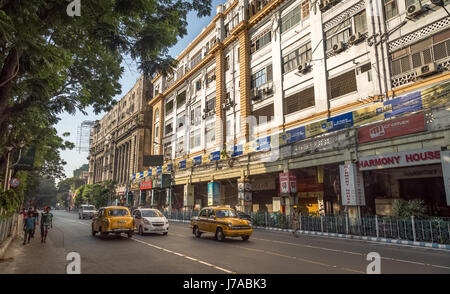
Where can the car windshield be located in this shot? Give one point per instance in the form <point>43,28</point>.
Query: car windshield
<point>151,213</point>
<point>88,207</point>
<point>117,212</point>
<point>225,213</point>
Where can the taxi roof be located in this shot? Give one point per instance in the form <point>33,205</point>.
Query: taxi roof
<point>116,207</point>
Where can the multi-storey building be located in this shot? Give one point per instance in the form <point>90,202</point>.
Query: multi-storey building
<point>121,139</point>
<point>277,93</point>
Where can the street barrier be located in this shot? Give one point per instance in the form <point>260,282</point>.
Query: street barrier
<point>433,229</point>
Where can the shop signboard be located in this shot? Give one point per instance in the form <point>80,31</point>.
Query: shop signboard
<point>263,183</point>
<point>188,197</point>
<point>146,185</point>
<point>405,104</point>
<point>400,159</point>
<point>392,128</point>
<point>445,157</point>
<point>120,190</point>
<point>288,183</point>
<point>213,193</point>
<point>352,185</point>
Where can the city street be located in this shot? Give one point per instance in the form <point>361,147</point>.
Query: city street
<point>180,253</point>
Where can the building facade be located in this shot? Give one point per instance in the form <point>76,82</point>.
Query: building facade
<point>269,103</point>
<point>121,139</point>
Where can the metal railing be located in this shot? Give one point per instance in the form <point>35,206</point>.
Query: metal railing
<point>6,227</point>
<point>434,230</point>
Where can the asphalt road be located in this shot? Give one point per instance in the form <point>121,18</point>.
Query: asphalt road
<point>180,253</point>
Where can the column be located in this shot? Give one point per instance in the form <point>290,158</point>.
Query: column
<point>161,125</point>
<point>319,67</point>
<point>278,93</point>
<point>244,69</point>
<point>220,94</point>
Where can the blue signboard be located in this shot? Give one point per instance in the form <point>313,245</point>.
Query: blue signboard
<point>197,160</point>
<point>158,170</point>
<point>213,156</point>
<point>182,164</point>
<point>338,122</point>
<point>133,177</point>
<point>295,135</point>
<point>149,172</point>
<point>237,150</point>
<point>406,104</point>
<point>263,144</point>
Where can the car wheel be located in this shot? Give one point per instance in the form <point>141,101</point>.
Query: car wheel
<point>219,235</point>
<point>93,231</point>
<point>245,238</point>
<point>102,234</point>
<point>79,216</point>
<point>129,234</point>
<point>197,232</point>
<point>141,231</point>
<point>165,233</point>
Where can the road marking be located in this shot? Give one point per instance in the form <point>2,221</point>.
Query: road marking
<point>295,258</point>
<point>185,256</point>
<point>349,252</point>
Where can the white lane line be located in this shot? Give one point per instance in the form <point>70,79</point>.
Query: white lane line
<point>185,256</point>
<point>349,252</point>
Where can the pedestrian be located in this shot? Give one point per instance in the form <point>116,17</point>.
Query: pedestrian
<point>36,220</point>
<point>46,223</point>
<point>28,227</point>
<point>295,221</point>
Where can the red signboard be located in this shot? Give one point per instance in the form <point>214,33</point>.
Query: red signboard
<point>146,185</point>
<point>288,183</point>
<point>392,128</point>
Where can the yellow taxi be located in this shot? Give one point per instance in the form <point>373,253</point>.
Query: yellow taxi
<point>113,220</point>
<point>222,222</point>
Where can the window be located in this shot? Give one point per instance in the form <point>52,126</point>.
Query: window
<point>227,30</point>
<point>169,107</point>
<point>210,77</point>
<point>337,34</point>
<point>198,85</point>
<point>157,114</point>
<point>299,101</point>
<point>421,53</point>
<point>180,72</point>
<point>342,84</point>
<point>180,121</point>
<point>195,138</point>
<point>290,19</point>
<point>211,103</point>
<point>261,77</point>
<point>294,59</point>
<point>167,151</point>
<point>360,22</point>
<point>196,59</point>
<point>156,132</point>
<point>196,116</point>
<point>264,114</point>
<point>260,41</point>
<point>210,132</point>
<point>390,9</point>
<point>227,63</point>
<point>179,147</point>
<point>168,128</point>
<point>181,99</point>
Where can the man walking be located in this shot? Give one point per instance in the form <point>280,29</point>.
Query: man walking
<point>46,223</point>
<point>28,227</point>
<point>36,220</point>
<point>295,221</point>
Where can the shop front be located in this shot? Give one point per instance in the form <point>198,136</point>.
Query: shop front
<point>161,192</point>
<point>415,174</point>
<point>145,189</point>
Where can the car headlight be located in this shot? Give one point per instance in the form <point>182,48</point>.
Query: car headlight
<point>229,225</point>
<point>250,224</point>
<point>146,221</point>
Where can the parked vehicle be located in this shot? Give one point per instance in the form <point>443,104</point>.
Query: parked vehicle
<point>113,220</point>
<point>149,220</point>
<point>86,211</point>
<point>222,222</point>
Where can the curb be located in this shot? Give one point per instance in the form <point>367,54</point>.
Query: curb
<point>345,236</point>
<point>5,245</point>
<point>365,238</point>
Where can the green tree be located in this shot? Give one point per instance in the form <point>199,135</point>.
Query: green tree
<point>51,63</point>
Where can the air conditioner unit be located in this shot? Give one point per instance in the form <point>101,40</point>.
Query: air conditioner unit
<point>414,9</point>
<point>256,94</point>
<point>304,68</point>
<point>356,38</point>
<point>427,69</point>
<point>338,47</point>
<point>267,90</point>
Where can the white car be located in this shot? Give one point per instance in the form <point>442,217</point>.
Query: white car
<point>86,211</point>
<point>150,220</point>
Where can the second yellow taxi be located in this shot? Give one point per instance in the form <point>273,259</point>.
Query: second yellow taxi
<point>222,222</point>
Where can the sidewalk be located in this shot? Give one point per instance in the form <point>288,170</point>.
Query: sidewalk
<point>34,258</point>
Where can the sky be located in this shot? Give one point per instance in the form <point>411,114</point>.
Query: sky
<point>69,123</point>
